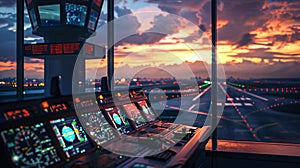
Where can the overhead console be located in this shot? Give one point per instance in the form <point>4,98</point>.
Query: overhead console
<point>111,129</point>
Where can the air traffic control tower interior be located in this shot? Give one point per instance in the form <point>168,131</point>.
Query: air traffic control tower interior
<point>137,126</point>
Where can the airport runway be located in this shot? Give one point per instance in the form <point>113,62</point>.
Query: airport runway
<point>246,116</point>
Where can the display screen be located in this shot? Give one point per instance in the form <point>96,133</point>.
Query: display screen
<point>16,114</point>
<point>56,107</point>
<point>71,136</point>
<point>135,115</point>
<point>97,127</point>
<point>33,18</point>
<point>49,15</point>
<point>148,113</point>
<point>120,120</point>
<point>52,49</point>
<point>93,20</point>
<point>30,146</point>
<point>75,14</point>
<point>83,103</point>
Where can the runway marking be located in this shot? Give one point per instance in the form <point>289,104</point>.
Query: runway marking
<point>229,99</point>
<point>251,94</point>
<point>233,104</point>
<point>194,105</point>
<point>204,91</point>
<point>248,104</point>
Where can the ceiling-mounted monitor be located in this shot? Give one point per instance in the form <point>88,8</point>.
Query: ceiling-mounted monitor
<point>33,18</point>
<point>49,15</point>
<point>75,14</point>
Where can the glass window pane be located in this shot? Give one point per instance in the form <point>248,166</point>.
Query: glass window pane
<point>258,44</point>
<point>8,51</point>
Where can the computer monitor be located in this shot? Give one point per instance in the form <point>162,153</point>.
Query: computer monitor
<point>119,119</point>
<point>30,146</point>
<point>71,136</point>
<point>98,127</point>
<point>135,115</point>
<point>49,14</point>
<point>147,111</point>
<point>75,14</point>
<point>33,18</point>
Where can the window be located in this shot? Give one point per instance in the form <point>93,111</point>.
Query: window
<point>8,54</point>
<point>163,47</point>
<point>258,44</point>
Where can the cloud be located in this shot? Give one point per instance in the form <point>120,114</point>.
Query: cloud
<point>144,38</point>
<point>238,15</point>
<point>244,70</point>
<point>248,69</point>
<point>162,26</point>
<point>265,54</point>
<point>196,11</point>
<point>122,11</point>
<point>246,40</point>
<point>8,48</point>
<point>7,3</point>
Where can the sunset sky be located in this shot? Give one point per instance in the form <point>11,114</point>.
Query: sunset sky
<point>256,38</point>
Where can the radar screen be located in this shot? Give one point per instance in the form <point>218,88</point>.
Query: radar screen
<point>135,115</point>
<point>75,14</point>
<point>97,127</point>
<point>30,146</point>
<point>120,120</point>
<point>148,113</point>
<point>71,136</point>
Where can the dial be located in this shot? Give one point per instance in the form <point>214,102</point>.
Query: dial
<point>28,147</point>
<point>97,127</point>
<point>94,122</point>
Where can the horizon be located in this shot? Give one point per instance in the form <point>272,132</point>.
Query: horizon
<point>259,39</point>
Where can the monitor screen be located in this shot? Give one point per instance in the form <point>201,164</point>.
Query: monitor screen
<point>71,136</point>
<point>30,146</point>
<point>98,127</point>
<point>93,20</point>
<point>49,14</point>
<point>135,115</point>
<point>148,113</point>
<point>119,120</point>
<point>75,14</point>
<point>33,18</point>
